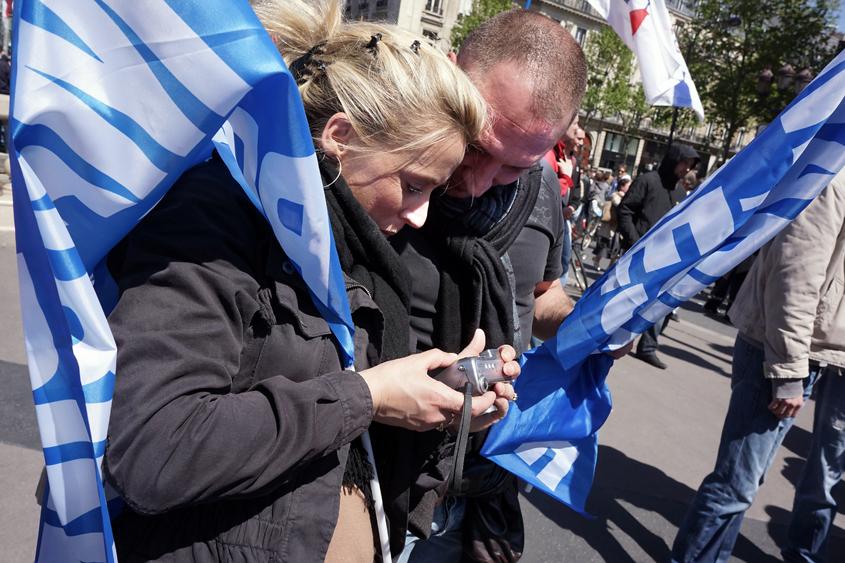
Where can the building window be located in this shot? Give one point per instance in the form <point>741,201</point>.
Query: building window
<point>580,35</point>
<point>431,36</point>
<point>434,6</point>
<point>381,3</point>
<point>615,154</point>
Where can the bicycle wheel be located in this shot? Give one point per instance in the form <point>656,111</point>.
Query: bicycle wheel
<point>578,272</point>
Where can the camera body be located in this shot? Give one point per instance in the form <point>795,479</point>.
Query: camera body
<point>482,371</point>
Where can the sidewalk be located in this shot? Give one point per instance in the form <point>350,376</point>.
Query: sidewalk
<point>655,449</point>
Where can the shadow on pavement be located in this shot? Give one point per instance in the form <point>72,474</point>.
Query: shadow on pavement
<point>621,482</point>
<point>18,424</point>
<point>692,358</point>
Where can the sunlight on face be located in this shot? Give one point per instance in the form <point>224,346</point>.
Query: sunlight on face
<point>394,187</point>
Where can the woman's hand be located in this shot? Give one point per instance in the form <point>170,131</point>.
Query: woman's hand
<point>405,395</point>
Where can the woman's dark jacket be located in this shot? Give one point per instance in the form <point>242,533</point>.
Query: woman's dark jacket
<point>232,415</point>
<point>651,196</point>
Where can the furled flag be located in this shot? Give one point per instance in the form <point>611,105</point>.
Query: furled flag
<point>111,102</point>
<point>645,27</point>
<point>549,436</point>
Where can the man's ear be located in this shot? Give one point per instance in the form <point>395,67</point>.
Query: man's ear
<point>452,57</point>
<point>337,135</point>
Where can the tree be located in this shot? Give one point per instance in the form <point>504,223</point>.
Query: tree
<point>482,10</point>
<point>726,61</point>
<point>610,67</point>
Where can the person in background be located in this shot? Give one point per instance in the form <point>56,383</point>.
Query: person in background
<point>621,172</point>
<point>566,166</point>
<point>649,198</point>
<point>607,237</point>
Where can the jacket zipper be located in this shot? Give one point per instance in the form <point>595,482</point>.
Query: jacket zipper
<point>359,286</point>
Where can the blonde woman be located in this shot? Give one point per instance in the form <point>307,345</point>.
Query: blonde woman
<point>234,427</point>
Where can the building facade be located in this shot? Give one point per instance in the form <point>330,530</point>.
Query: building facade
<point>644,147</point>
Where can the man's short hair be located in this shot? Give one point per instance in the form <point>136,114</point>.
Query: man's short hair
<point>551,60</point>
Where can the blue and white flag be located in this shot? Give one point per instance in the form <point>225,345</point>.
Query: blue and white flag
<point>646,28</point>
<point>549,436</point>
<point>111,102</point>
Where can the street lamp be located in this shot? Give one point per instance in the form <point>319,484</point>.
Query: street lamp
<point>785,77</point>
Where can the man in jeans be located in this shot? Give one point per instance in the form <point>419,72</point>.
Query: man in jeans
<point>791,323</point>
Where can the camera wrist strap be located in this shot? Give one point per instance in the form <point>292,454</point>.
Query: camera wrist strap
<point>463,438</point>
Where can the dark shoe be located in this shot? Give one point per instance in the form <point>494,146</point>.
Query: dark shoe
<point>673,316</point>
<point>712,305</point>
<point>651,359</point>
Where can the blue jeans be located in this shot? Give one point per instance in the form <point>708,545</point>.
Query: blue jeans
<point>566,251</point>
<point>445,544</point>
<point>751,437</point>
<point>814,508</point>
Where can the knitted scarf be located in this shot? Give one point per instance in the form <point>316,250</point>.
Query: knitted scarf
<point>475,288</point>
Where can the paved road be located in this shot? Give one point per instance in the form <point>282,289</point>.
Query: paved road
<point>21,459</point>
<point>658,444</point>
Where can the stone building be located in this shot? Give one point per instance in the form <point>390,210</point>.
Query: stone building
<point>434,19</point>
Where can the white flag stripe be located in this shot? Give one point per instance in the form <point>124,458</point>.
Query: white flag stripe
<point>819,105</point>
<point>98,412</point>
<point>60,422</point>
<point>64,182</point>
<point>53,230</point>
<point>242,124</point>
<point>72,491</point>
<point>616,311</point>
<point>42,357</point>
<point>122,67</point>
<point>276,169</point>
<point>117,157</point>
<point>59,548</point>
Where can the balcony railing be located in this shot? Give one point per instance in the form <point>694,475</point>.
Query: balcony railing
<point>686,7</point>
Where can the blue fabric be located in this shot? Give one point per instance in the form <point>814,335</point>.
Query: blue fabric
<point>808,536</point>
<point>750,439</point>
<point>445,544</point>
<point>92,151</point>
<point>738,209</point>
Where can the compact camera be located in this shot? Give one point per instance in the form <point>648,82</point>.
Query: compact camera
<point>482,371</point>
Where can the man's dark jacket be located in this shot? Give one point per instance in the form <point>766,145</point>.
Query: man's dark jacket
<point>651,196</point>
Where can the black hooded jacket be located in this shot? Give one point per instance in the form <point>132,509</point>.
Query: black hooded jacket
<point>651,196</point>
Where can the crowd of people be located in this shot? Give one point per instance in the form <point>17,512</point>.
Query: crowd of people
<point>451,184</point>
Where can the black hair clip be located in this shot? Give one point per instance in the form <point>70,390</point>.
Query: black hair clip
<point>415,46</point>
<point>301,67</point>
<point>373,44</point>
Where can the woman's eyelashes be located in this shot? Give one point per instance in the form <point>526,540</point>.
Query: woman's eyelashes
<point>413,189</point>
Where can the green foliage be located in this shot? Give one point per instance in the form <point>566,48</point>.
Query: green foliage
<point>482,10</point>
<point>726,61</point>
<point>610,66</point>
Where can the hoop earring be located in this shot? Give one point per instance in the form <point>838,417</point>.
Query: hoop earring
<point>339,170</point>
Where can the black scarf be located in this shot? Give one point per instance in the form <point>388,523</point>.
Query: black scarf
<point>367,257</point>
<point>475,286</point>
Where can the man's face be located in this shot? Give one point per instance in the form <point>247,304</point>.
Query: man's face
<point>578,141</point>
<point>515,141</point>
<point>684,166</point>
<point>621,172</point>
